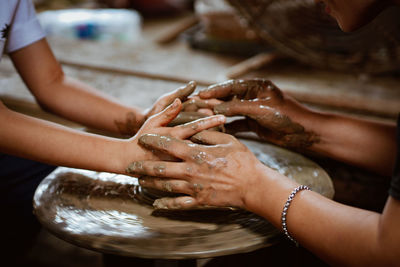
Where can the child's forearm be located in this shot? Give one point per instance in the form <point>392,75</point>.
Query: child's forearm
<point>81,103</point>
<point>68,98</point>
<point>54,144</point>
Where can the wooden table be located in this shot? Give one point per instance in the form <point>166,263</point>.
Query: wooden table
<point>123,69</point>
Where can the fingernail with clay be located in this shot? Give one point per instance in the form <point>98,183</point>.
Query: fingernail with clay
<point>192,84</point>
<point>187,89</point>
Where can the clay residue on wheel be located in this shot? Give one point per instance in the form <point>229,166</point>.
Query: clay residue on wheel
<point>106,213</point>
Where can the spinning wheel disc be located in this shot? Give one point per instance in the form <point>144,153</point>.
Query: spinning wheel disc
<point>106,212</point>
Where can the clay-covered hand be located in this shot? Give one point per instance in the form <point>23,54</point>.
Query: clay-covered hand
<point>215,170</point>
<point>134,121</point>
<point>157,124</point>
<point>271,114</point>
<point>204,106</point>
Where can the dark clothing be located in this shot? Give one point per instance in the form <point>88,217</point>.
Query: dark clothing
<point>19,179</point>
<point>395,184</point>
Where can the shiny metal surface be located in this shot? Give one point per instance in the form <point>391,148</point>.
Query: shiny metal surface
<point>108,213</point>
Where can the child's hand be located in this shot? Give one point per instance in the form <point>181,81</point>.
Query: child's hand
<point>156,124</point>
<point>181,93</point>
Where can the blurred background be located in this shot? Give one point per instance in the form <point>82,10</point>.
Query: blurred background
<point>137,50</point>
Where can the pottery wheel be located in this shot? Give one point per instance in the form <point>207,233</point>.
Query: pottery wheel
<point>107,213</point>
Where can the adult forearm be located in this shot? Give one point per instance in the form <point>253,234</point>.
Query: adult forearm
<point>339,234</point>
<point>368,144</point>
<point>54,144</point>
<point>81,103</point>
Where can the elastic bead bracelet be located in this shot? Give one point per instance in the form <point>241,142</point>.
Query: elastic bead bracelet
<point>285,210</point>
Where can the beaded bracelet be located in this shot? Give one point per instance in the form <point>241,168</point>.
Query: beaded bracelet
<point>286,207</point>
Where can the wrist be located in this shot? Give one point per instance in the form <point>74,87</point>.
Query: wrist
<point>115,157</point>
<point>319,124</point>
<point>309,118</point>
<point>142,116</point>
<point>315,124</point>
<point>267,193</point>
<point>257,187</point>
<point>129,152</point>
<point>119,153</point>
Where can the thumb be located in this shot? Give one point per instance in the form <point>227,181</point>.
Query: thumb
<point>167,115</point>
<point>183,92</point>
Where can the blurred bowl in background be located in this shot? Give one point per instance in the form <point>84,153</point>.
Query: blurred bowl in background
<point>302,30</point>
<point>119,25</point>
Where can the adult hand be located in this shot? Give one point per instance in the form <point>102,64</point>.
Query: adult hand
<point>272,115</point>
<point>203,106</point>
<point>157,125</point>
<point>217,172</point>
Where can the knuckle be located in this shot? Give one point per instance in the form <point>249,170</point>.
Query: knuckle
<point>136,167</point>
<point>175,131</point>
<point>157,182</point>
<point>167,186</point>
<point>188,172</point>
<point>202,199</point>
<point>178,186</point>
<point>160,169</point>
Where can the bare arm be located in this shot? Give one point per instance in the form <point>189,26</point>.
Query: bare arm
<point>280,119</point>
<point>54,144</point>
<point>226,173</point>
<point>367,144</point>
<point>69,98</point>
<point>339,234</point>
<point>77,101</point>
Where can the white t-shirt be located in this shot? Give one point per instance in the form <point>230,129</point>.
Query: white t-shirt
<point>19,26</point>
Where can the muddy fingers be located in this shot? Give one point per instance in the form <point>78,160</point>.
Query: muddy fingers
<point>165,184</point>
<point>180,203</point>
<point>188,129</point>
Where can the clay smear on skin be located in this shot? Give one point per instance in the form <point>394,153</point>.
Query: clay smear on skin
<point>162,142</point>
<point>167,203</point>
<point>187,89</point>
<point>159,169</point>
<point>287,132</point>
<point>199,157</point>
<point>185,117</point>
<point>134,167</point>
<point>130,126</point>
